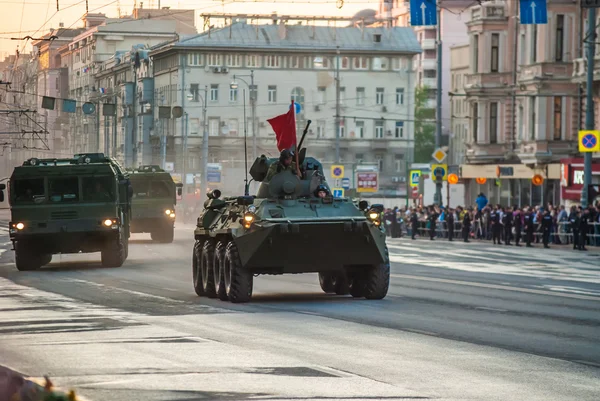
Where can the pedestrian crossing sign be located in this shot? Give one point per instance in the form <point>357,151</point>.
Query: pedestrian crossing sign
<point>415,175</point>
<point>589,141</point>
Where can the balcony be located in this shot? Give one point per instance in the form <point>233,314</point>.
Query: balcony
<point>486,81</point>
<point>479,153</point>
<point>428,44</point>
<point>489,12</point>
<point>541,152</point>
<point>431,83</point>
<point>545,71</point>
<point>429,64</point>
<point>580,69</point>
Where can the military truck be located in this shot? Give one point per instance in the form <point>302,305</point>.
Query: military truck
<point>79,204</point>
<point>153,202</point>
<point>284,229</point>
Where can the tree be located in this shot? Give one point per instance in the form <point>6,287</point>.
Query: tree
<point>424,127</point>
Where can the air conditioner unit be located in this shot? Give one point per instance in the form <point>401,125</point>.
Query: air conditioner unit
<point>224,69</point>
<point>317,108</point>
<point>216,69</point>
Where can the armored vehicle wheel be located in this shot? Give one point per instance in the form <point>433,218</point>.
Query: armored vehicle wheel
<point>206,269</point>
<point>25,260</point>
<point>196,274</point>
<point>218,263</point>
<point>126,248</point>
<point>113,254</point>
<point>46,259</point>
<point>377,279</point>
<point>334,283</point>
<point>357,285</point>
<point>238,281</point>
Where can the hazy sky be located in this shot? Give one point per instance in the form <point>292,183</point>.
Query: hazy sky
<point>20,18</point>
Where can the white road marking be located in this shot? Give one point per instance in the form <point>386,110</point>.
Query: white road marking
<point>491,309</point>
<point>142,294</point>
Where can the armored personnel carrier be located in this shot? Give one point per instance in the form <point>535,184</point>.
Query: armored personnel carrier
<point>72,205</point>
<point>284,229</point>
<point>153,202</point>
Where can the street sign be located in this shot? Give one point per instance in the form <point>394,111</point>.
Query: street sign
<point>439,155</point>
<point>423,12</point>
<point>337,183</point>
<point>414,178</point>
<point>213,172</point>
<point>169,167</point>
<point>590,3</point>
<point>338,192</point>
<point>297,107</point>
<point>444,167</point>
<point>415,192</point>
<point>337,171</point>
<point>88,108</point>
<point>589,141</point>
<point>534,12</point>
<point>367,182</point>
<point>346,183</point>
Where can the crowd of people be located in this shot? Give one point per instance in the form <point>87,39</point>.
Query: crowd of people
<point>577,226</point>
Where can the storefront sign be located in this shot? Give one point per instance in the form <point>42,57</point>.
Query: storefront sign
<point>572,177</point>
<point>504,171</point>
<point>578,177</point>
<point>517,171</point>
<point>367,182</point>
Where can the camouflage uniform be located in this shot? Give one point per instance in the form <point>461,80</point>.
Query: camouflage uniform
<point>273,169</point>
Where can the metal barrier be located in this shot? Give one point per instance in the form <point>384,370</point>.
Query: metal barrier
<point>561,232</point>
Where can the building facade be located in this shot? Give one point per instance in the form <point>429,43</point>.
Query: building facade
<point>274,64</point>
<point>459,109</point>
<point>524,107</point>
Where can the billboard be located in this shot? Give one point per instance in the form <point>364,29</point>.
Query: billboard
<point>367,181</point>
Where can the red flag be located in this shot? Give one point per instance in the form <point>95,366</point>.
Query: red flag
<point>285,128</point>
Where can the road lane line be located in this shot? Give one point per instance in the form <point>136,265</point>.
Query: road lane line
<point>496,287</point>
<point>491,309</point>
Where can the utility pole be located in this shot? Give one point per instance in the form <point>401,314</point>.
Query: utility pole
<point>253,105</point>
<point>438,131</point>
<point>337,106</point>
<point>589,104</point>
<point>185,152</point>
<point>205,143</point>
<point>513,117</point>
<point>134,112</point>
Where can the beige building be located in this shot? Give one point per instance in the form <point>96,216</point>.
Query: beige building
<point>459,106</point>
<point>524,107</point>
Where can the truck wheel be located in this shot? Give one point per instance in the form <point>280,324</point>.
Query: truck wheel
<point>113,254</point>
<point>46,259</point>
<point>357,285</point>
<point>218,263</point>
<point>125,249</point>
<point>377,279</point>
<point>333,283</point>
<point>196,273</point>
<point>25,260</point>
<point>166,236</point>
<point>206,269</point>
<point>238,281</point>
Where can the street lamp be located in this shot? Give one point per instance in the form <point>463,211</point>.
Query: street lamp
<point>234,85</point>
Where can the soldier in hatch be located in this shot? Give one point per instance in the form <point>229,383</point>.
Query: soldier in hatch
<point>321,191</point>
<point>284,163</point>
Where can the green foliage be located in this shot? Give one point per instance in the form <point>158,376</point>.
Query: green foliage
<point>424,127</point>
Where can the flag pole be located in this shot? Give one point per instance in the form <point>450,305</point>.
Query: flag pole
<point>296,138</point>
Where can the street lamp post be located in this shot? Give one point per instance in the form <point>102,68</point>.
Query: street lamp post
<point>190,96</point>
<point>234,85</point>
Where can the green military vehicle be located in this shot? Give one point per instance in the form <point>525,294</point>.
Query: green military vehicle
<point>153,203</point>
<point>81,204</point>
<point>292,225</point>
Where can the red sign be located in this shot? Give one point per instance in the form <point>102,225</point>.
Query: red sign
<point>415,192</point>
<point>367,182</point>
<point>571,177</point>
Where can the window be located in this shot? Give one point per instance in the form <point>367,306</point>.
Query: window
<point>359,158</point>
<point>194,59</point>
<point>273,61</point>
<point>342,129</point>
<point>233,126</point>
<point>476,53</point>
<point>378,129</point>
<point>252,61</point>
<point>321,98</point>
<point>233,95</point>
<point>195,92</point>
<point>233,60</point>
<point>399,163</point>
<point>379,95</point>
<point>557,118</point>
<point>360,129</point>
<point>27,191</point>
<point>298,95</point>
<point>321,62</point>
<point>215,60</point>
<point>294,61</point>
<point>272,94</point>
<point>494,122</point>
<point>360,96</point>
<point>63,190</point>
<point>380,63</point>
<point>396,64</point>
<point>495,52</point>
<point>476,121</point>
<point>532,118</point>
<point>429,73</point>
<point>99,189</point>
<point>399,95</point>
<point>345,63</point>
<point>214,127</point>
<point>534,39</point>
<point>342,95</point>
<point>379,160</point>
<point>214,93</point>
<point>253,92</point>
<point>361,63</point>
<point>399,132</point>
<point>560,37</point>
<point>194,126</point>
<point>320,128</point>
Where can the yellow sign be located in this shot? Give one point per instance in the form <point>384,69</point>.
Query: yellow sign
<point>337,171</point>
<point>444,167</point>
<point>589,141</point>
<point>439,155</point>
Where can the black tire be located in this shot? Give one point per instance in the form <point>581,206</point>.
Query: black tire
<point>196,274</point>
<point>334,283</point>
<point>218,263</point>
<point>377,279</point>
<point>357,285</point>
<point>113,254</point>
<point>206,269</point>
<point>238,281</point>
<point>46,259</point>
<point>25,260</point>
<point>126,248</point>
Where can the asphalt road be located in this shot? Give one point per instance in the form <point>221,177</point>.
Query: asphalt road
<point>461,322</point>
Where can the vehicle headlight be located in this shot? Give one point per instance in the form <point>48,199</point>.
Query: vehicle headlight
<point>108,222</point>
<point>248,219</point>
<point>373,215</point>
<point>172,215</point>
<point>252,208</point>
<point>19,226</point>
<point>168,212</point>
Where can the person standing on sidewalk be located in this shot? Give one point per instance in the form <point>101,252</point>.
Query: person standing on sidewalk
<point>583,228</point>
<point>414,223</point>
<point>496,226</point>
<point>450,223</point>
<point>529,227</point>
<point>466,225</point>
<point>517,225</point>
<point>507,221</point>
<point>546,227</point>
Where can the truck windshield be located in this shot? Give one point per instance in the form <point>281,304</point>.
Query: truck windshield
<point>98,189</point>
<point>29,190</point>
<point>63,190</point>
<point>150,189</point>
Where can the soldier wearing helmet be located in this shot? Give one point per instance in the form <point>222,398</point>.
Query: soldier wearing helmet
<point>284,163</point>
<point>321,191</point>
